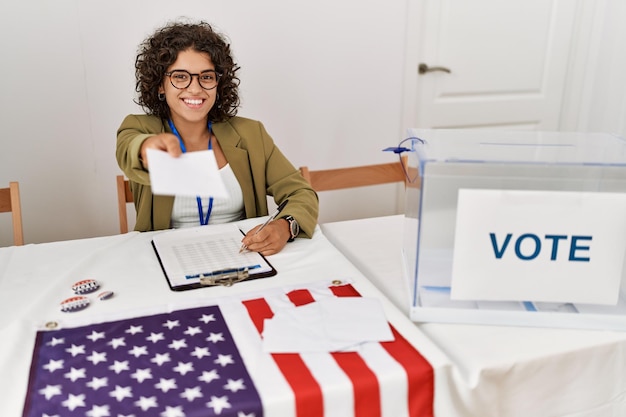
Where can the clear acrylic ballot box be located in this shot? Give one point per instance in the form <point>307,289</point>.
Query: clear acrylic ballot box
<point>516,228</point>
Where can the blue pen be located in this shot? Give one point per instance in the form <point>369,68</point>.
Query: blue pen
<point>222,271</point>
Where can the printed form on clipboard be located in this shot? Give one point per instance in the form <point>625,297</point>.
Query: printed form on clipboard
<point>206,256</point>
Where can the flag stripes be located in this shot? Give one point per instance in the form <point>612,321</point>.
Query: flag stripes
<point>419,372</point>
<point>364,381</point>
<point>363,369</point>
<point>309,401</point>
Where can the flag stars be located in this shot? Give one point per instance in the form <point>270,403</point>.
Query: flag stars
<point>97,383</point>
<point>146,403</point>
<point>119,366</point>
<point>182,371</point>
<point>95,336</point>
<point>99,411</point>
<point>218,404</point>
<point>192,331</point>
<point>215,337</point>
<point>56,341</point>
<point>142,374</point>
<point>155,337</point>
<point>76,350</point>
<point>207,318</point>
<point>74,401</point>
<point>170,324</point>
<point>234,386</point>
<point>173,412</point>
<point>97,357</point>
<point>224,360</point>
<point>191,394</point>
<point>50,391</point>
<point>209,376</point>
<point>184,368</point>
<point>119,393</point>
<point>166,384</point>
<point>53,365</point>
<point>75,374</point>
<point>178,344</point>
<point>200,352</point>
<point>134,330</point>
<point>117,342</point>
<point>160,358</point>
<point>138,351</point>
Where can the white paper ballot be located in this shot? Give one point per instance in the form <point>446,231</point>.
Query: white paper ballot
<point>191,174</point>
<point>328,325</point>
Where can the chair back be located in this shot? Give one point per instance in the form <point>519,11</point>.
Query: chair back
<point>124,196</point>
<point>10,202</point>
<point>350,177</point>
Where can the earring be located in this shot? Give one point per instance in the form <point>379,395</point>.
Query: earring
<point>161,97</point>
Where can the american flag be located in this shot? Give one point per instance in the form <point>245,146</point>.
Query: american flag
<point>188,363</point>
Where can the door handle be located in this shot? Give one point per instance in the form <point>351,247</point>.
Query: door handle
<point>423,69</point>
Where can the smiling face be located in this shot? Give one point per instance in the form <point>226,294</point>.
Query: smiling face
<point>191,104</point>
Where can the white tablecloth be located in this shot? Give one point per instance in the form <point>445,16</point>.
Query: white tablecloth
<point>34,279</point>
<point>497,370</point>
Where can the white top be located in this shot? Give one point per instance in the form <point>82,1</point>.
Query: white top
<point>225,210</point>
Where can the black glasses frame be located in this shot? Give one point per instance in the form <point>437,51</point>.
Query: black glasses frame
<point>217,78</point>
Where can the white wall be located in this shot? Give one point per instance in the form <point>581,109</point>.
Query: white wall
<point>328,79</point>
<point>595,96</point>
<point>605,108</point>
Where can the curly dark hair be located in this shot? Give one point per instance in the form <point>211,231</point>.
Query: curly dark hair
<point>157,52</point>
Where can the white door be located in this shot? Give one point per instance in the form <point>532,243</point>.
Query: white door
<point>508,62</point>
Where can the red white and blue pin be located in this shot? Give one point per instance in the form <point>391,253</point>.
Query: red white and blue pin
<point>79,301</point>
<point>75,303</point>
<point>85,286</point>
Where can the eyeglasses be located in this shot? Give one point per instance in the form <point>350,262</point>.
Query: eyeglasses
<point>181,79</point>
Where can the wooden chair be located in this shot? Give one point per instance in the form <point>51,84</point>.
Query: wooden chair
<point>358,176</point>
<point>10,202</point>
<point>124,196</point>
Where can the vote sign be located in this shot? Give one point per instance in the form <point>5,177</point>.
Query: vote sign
<point>550,246</point>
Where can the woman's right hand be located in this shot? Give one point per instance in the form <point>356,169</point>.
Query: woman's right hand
<point>167,142</point>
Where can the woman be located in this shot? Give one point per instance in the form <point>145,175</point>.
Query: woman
<point>187,84</point>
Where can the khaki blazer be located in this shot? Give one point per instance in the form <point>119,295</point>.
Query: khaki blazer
<point>256,161</point>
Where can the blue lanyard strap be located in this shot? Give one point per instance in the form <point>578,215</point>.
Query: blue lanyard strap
<point>180,139</point>
<point>203,220</point>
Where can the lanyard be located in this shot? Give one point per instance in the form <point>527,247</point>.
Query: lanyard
<point>203,220</point>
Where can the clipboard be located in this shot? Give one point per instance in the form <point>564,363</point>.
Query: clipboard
<point>206,256</point>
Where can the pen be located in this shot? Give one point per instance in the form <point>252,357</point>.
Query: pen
<point>223,271</point>
<point>272,217</point>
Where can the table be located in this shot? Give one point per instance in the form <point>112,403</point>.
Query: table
<point>498,370</point>
<point>35,278</point>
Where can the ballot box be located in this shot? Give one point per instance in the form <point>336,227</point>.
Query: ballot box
<point>516,228</point>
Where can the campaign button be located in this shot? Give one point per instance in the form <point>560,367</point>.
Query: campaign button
<point>85,286</point>
<point>105,295</point>
<point>76,303</point>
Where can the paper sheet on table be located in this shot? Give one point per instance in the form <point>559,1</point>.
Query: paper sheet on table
<point>328,325</point>
<point>191,174</point>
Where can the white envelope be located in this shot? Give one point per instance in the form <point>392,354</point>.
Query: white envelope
<point>191,174</point>
<point>329,325</point>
